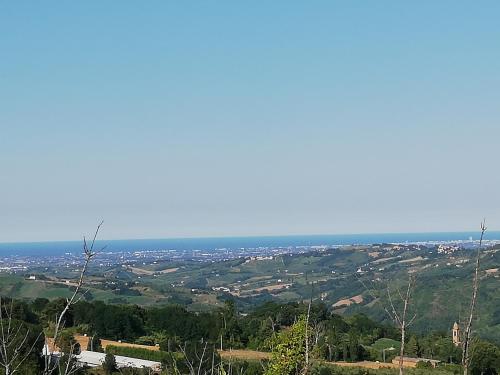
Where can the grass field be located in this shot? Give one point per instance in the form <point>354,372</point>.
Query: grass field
<point>438,298</point>
<point>244,355</point>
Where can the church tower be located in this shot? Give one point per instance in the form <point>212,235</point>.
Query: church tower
<point>456,334</point>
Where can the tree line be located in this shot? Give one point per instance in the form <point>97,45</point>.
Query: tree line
<point>182,335</point>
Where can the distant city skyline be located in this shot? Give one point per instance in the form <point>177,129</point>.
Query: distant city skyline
<point>460,239</point>
<point>174,119</point>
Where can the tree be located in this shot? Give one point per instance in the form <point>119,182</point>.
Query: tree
<point>198,358</point>
<point>485,359</point>
<point>17,341</point>
<point>39,304</point>
<point>443,349</point>
<point>51,364</point>
<point>109,364</point>
<point>67,343</point>
<point>68,347</point>
<point>466,355</point>
<point>398,316</point>
<point>289,350</point>
<point>230,329</point>
<point>413,349</point>
<point>401,317</point>
<point>353,346</point>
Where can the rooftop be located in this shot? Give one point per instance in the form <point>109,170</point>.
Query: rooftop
<point>94,359</point>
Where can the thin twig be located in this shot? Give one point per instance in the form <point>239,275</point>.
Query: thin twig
<point>466,357</point>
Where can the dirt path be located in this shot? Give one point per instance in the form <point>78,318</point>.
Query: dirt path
<point>364,364</point>
<point>244,354</point>
<point>257,356</point>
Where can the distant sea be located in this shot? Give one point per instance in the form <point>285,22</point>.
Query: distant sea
<point>207,244</point>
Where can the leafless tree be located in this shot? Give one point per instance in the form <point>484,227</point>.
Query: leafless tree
<point>401,317</point>
<point>190,362</point>
<point>466,352</point>
<point>305,370</point>
<point>70,366</point>
<point>201,358</point>
<point>319,330</point>
<point>50,363</point>
<point>273,324</point>
<point>13,340</point>
<point>307,335</point>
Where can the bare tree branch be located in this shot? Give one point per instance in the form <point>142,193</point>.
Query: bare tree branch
<point>187,360</point>
<point>372,294</point>
<point>400,318</point>
<point>466,355</point>
<point>12,342</point>
<point>88,254</point>
<point>201,359</point>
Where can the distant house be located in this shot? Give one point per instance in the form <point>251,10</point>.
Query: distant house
<point>412,362</point>
<point>95,359</point>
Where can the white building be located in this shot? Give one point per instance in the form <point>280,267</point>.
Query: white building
<point>94,359</point>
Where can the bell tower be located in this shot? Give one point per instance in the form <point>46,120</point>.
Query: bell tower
<point>456,334</point>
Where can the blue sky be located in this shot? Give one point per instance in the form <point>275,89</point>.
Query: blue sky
<point>215,118</point>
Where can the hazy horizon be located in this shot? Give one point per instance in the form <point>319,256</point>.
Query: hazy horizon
<point>489,235</point>
<point>172,119</point>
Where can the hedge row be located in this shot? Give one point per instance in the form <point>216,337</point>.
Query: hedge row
<point>150,355</point>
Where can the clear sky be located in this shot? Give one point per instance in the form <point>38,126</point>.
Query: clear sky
<point>210,118</point>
